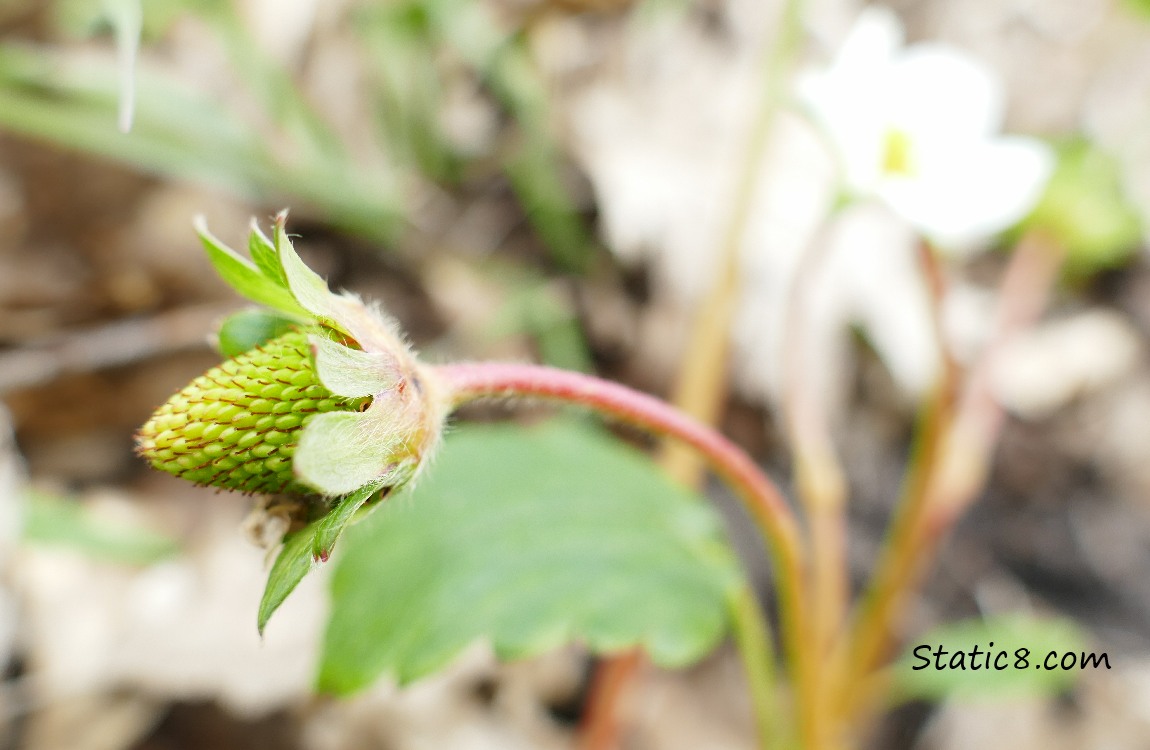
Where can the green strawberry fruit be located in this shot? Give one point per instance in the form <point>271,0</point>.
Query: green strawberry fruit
<point>238,425</point>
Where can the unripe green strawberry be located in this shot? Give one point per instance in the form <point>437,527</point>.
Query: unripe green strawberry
<point>333,404</point>
<point>237,425</point>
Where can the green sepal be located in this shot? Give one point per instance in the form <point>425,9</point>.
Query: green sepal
<point>293,562</point>
<point>352,373</point>
<point>263,254</point>
<point>304,549</point>
<point>342,451</point>
<point>248,329</point>
<point>306,287</point>
<point>331,526</point>
<point>343,313</point>
<point>243,276</point>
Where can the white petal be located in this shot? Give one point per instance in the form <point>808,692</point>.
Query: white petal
<point>879,277</point>
<point>849,100</point>
<point>970,195</point>
<point>873,40</point>
<point>941,96</point>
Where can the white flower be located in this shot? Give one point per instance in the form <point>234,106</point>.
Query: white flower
<point>916,127</point>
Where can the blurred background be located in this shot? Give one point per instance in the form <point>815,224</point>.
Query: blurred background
<point>563,181</point>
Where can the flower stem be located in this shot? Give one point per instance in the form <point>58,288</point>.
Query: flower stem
<point>468,382</point>
<point>752,635</point>
<point>950,465</point>
<point>821,487</point>
<point>700,387</point>
<point>893,577</point>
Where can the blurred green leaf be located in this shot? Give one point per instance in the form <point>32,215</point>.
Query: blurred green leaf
<point>71,100</point>
<point>916,674</point>
<point>289,152</point>
<point>535,171</point>
<point>273,88</point>
<point>399,41</point>
<point>1085,209</point>
<point>535,165</point>
<point>472,29</point>
<point>89,17</point>
<point>248,329</point>
<point>405,38</point>
<point>1140,6</point>
<point>66,523</point>
<point>535,307</point>
<point>528,538</point>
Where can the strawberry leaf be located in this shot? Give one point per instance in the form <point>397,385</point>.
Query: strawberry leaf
<point>528,538</point>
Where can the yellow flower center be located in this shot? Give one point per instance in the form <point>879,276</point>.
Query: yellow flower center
<point>897,155</point>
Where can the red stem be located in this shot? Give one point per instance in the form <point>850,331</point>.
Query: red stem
<point>600,725</point>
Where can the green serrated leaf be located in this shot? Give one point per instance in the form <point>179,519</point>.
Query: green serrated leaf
<point>243,276</point>
<point>528,538</point>
<point>60,522</point>
<point>303,549</point>
<point>248,329</point>
<point>1009,661</point>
